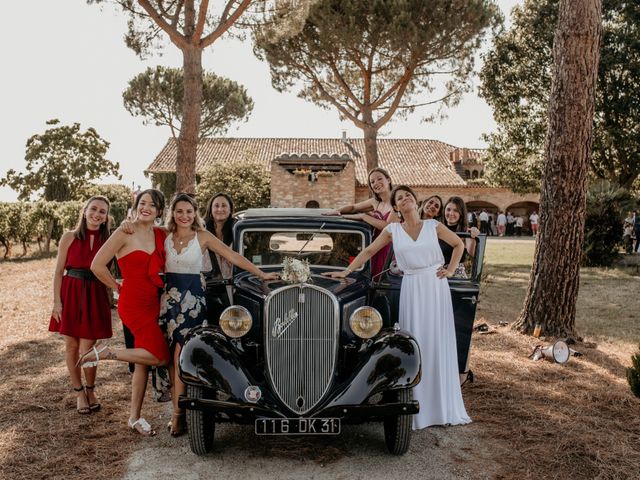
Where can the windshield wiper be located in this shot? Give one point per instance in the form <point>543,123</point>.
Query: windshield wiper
<point>310,238</point>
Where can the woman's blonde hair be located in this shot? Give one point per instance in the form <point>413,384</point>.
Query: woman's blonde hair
<point>198,223</point>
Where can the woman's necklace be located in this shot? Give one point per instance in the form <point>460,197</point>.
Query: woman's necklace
<point>181,241</point>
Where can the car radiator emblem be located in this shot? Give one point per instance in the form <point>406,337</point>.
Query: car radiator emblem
<point>281,325</point>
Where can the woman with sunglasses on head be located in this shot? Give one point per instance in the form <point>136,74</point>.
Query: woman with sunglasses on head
<point>376,211</point>
<point>183,304</point>
<point>81,308</point>
<point>140,257</point>
<point>426,310</point>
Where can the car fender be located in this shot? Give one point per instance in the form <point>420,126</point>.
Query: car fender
<point>391,361</point>
<point>209,359</point>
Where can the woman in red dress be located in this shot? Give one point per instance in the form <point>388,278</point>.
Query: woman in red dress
<point>81,309</point>
<point>141,261</point>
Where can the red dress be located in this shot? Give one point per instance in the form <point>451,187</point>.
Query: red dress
<point>379,259</point>
<point>86,310</point>
<point>139,301</point>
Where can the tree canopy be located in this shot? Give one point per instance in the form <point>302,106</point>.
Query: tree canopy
<point>193,26</point>
<point>157,94</point>
<point>60,163</point>
<point>516,81</point>
<point>373,59</point>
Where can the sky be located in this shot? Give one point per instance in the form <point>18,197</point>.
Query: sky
<point>67,60</point>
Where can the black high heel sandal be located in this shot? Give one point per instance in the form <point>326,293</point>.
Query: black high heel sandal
<point>94,407</point>
<point>469,378</point>
<point>81,410</point>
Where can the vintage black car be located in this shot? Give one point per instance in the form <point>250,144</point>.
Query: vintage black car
<point>308,358</point>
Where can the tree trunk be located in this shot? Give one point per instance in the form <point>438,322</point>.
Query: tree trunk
<point>554,281</point>
<point>370,141</point>
<point>190,128</point>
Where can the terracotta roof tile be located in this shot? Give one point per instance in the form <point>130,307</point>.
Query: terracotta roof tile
<point>415,162</point>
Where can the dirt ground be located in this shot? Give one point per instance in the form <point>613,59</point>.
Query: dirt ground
<point>531,419</point>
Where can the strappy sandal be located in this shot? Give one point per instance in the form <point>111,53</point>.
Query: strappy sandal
<point>91,363</point>
<point>469,378</point>
<point>94,407</point>
<point>142,427</point>
<point>81,410</point>
<point>176,426</point>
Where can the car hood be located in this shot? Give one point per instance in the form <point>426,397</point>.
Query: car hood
<point>251,284</point>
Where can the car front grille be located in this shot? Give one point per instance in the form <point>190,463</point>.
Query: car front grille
<point>301,342</point>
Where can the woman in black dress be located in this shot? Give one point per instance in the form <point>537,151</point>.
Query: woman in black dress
<point>219,221</point>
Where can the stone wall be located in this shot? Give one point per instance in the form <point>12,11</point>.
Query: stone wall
<point>294,190</point>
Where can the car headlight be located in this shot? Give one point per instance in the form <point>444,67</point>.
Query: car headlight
<point>365,322</point>
<point>235,321</point>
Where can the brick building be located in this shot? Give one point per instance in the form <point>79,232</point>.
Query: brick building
<point>332,171</point>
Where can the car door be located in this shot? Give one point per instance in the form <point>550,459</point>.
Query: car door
<point>385,296</point>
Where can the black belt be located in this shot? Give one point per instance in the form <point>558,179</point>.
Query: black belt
<point>81,273</point>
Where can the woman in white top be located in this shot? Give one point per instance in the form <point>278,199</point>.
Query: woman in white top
<point>183,305</point>
<point>425,306</point>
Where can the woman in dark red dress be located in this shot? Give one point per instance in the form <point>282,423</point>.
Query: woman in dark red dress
<point>376,211</point>
<point>81,308</point>
<point>141,261</point>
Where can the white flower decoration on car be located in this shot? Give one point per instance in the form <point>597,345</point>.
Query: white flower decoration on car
<point>295,270</point>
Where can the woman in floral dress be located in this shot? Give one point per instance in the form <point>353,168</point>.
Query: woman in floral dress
<point>183,305</point>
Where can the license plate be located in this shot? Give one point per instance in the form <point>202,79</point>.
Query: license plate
<point>297,426</point>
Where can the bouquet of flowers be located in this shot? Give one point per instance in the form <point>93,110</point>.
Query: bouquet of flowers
<point>295,271</point>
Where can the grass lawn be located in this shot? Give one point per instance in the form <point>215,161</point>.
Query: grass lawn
<point>608,308</point>
<point>541,420</point>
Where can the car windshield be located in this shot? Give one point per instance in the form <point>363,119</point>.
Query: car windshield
<point>330,248</point>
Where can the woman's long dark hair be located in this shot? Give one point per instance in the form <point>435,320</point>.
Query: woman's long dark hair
<point>157,197</point>
<point>227,228</point>
<point>383,172</point>
<point>80,231</point>
<point>461,226</point>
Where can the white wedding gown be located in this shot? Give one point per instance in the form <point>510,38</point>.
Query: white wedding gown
<point>426,312</point>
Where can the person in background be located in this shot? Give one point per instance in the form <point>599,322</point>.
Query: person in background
<point>431,208</point>
<point>492,225</point>
<point>312,204</point>
<point>533,220</point>
<point>636,229</point>
<point>484,222</point>
<point>501,223</point>
<point>627,237</point>
<point>519,224</point>
<point>81,310</point>
<point>511,221</point>
<point>376,211</point>
<point>426,310</point>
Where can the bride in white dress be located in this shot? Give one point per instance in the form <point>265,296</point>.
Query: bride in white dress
<point>425,306</point>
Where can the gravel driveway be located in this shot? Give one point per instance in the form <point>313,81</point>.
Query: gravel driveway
<point>358,453</point>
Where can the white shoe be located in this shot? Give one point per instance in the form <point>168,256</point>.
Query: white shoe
<point>96,352</point>
<point>142,427</point>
